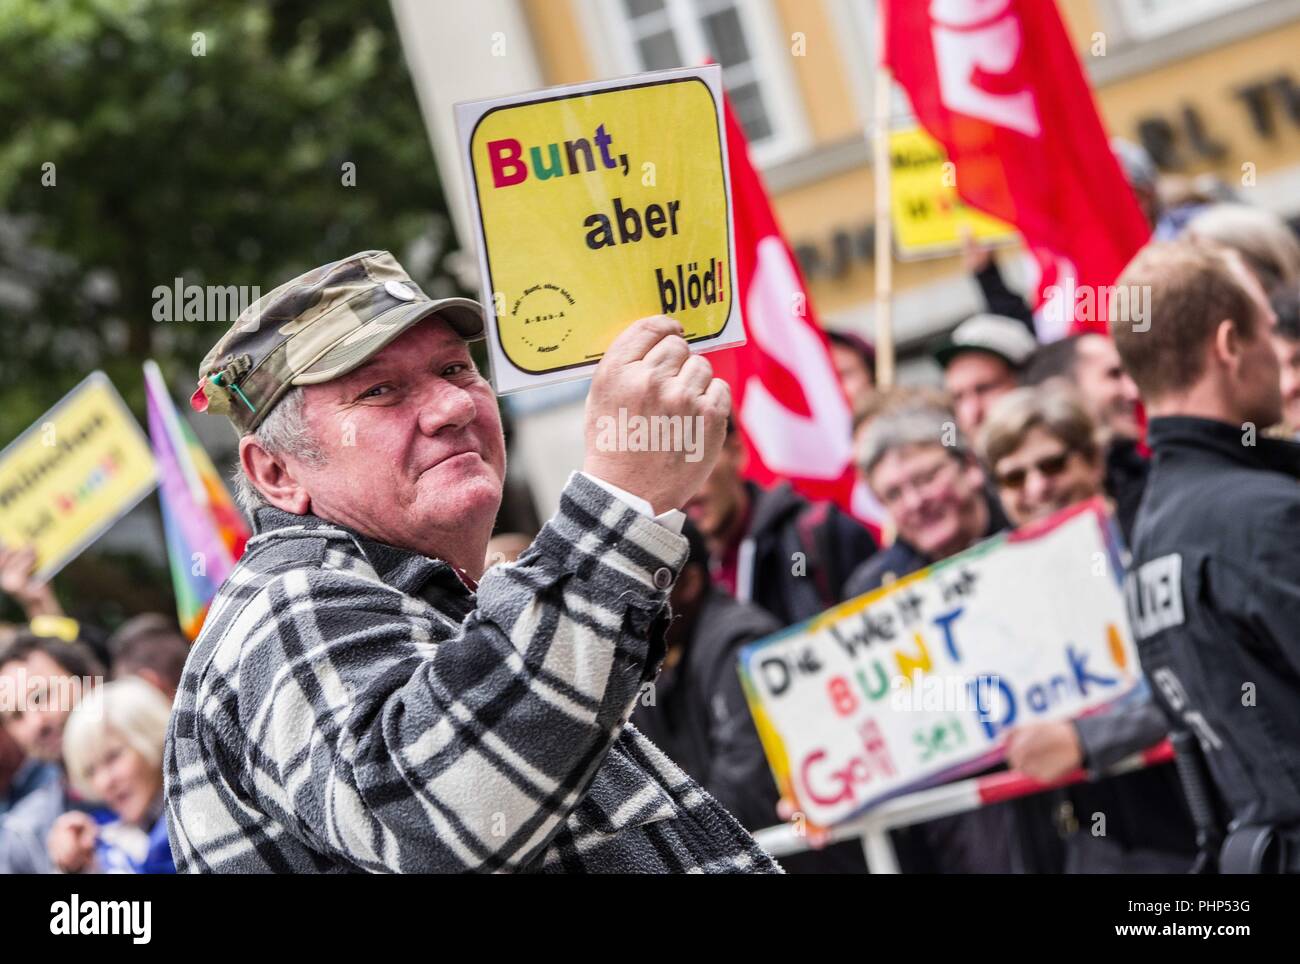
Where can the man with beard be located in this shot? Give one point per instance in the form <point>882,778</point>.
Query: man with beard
<point>772,547</point>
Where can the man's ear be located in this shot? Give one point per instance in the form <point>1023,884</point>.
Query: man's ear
<point>272,477</point>
<point>1226,344</point>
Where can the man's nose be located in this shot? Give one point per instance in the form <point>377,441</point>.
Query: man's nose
<point>1037,486</point>
<point>444,405</point>
<point>912,498</point>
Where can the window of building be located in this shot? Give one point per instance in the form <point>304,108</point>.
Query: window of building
<point>742,37</point>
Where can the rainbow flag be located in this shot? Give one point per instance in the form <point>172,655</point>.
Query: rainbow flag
<point>205,531</point>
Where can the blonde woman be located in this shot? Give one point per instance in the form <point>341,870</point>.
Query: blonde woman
<point>113,750</point>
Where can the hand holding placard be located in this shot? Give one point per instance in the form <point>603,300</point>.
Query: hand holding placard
<point>647,374</point>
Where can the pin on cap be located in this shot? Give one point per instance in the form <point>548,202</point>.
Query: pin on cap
<point>399,291</point>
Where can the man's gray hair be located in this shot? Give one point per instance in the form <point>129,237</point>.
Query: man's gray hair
<point>909,424</point>
<point>283,432</point>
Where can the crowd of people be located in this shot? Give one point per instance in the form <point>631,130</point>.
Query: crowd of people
<point>1182,426</point>
<point>81,740</point>
<point>1020,431</point>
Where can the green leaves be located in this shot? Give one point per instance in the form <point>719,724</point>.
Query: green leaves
<point>221,168</point>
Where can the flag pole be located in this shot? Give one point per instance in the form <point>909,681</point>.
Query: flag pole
<point>884,262</point>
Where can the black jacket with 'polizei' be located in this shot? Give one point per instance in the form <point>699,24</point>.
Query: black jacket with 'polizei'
<point>1214,600</point>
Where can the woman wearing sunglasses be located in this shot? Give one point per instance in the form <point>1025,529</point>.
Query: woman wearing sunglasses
<point>1041,448</point>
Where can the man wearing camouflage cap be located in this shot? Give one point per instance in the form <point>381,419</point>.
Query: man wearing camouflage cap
<point>357,701</point>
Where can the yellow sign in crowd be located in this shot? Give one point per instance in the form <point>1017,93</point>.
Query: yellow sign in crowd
<point>929,217</point>
<point>74,473</point>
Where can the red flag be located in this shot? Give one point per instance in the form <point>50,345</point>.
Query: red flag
<point>997,82</point>
<point>785,395</point>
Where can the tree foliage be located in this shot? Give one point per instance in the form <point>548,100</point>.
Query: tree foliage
<point>206,140</point>
<point>143,141</point>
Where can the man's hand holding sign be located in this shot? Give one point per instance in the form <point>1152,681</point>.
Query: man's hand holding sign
<point>649,371</point>
<point>458,719</point>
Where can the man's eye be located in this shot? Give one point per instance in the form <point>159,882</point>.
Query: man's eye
<point>375,392</point>
<point>456,368</point>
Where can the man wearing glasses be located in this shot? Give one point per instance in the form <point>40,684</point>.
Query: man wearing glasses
<point>919,465</point>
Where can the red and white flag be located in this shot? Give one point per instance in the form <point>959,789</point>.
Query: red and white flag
<point>998,83</point>
<point>785,395</point>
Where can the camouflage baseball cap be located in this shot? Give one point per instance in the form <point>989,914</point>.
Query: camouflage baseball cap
<point>315,328</point>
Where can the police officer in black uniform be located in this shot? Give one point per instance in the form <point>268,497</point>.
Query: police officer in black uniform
<point>1214,588</point>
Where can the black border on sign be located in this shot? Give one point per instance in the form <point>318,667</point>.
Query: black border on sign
<point>487,257</point>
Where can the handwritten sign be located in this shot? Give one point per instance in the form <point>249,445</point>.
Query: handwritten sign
<point>928,214</point>
<point>920,681</point>
<point>80,468</point>
<point>595,205</point>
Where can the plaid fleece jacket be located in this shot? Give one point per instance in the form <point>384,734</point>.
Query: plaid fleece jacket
<point>350,706</point>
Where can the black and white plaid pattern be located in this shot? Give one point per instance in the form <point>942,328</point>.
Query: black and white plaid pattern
<point>354,707</point>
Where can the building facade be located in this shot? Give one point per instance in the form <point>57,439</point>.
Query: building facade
<point>1208,86</point>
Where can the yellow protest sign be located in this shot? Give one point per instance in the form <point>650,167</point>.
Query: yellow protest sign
<point>74,473</point>
<point>928,215</point>
<point>598,204</point>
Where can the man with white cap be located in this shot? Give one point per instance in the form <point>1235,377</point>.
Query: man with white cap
<point>982,360</point>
